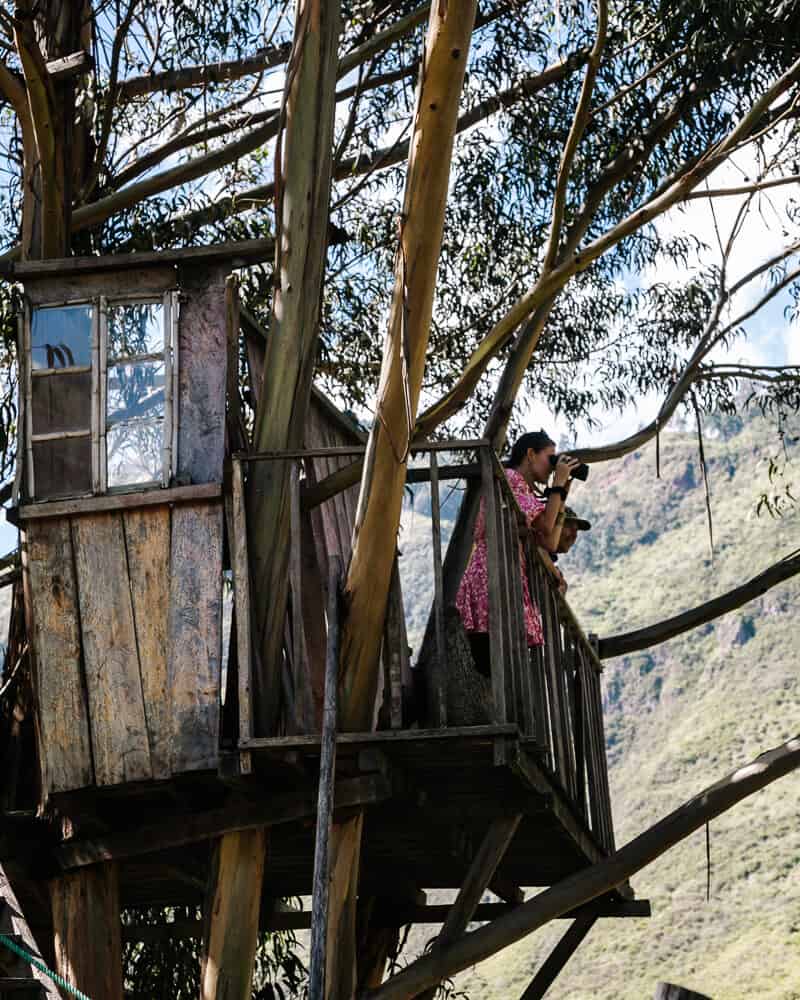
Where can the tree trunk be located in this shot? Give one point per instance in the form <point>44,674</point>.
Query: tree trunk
<point>378,516</point>
<point>303,171</point>
<point>233,902</point>
<point>86,925</point>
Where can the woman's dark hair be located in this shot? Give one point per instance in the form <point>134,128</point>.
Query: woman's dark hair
<point>538,440</point>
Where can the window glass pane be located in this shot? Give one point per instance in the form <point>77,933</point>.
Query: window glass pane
<point>136,328</point>
<point>62,468</point>
<point>135,391</point>
<point>133,452</point>
<point>61,402</point>
<point>61,337</point>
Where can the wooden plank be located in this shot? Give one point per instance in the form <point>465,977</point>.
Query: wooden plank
<point>549,970</point>
<point>397,648</point>
<point>193,828</point>
<point>229,255</point>
<point>325,796</point>
<point>120,745</point>
<point>147,538</point>
<point>119,501</point>
<point>63,713</point>
<point>440,680</point>
<point>519,637</point>
<point>66,67</point>
<point>241,588</point>
<point>302,672</point>
<point>386,736</point>
<point>202,367</point>
<point>497,644</point>
<point>195,635</point>
<point>232,908</point>
<point>57,289</point>
<point>87,931</point>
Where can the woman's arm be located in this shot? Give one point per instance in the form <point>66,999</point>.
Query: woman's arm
<point>547,525</point>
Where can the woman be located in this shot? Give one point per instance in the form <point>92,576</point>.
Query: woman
<point>529,464</point>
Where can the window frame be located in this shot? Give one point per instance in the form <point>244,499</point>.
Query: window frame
<point>100,304</point>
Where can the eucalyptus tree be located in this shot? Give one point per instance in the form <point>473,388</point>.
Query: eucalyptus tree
<point>489,200</point>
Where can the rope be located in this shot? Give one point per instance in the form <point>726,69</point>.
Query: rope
<point>58,980</point>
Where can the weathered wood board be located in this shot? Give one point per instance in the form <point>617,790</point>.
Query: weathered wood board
<point>195,635</point>
<point>202,362</point>
<point>116,704</point>
<point>63,715</point>
<point>147,539</point>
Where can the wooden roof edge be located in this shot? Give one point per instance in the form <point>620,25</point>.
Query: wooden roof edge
<point>235,254</point>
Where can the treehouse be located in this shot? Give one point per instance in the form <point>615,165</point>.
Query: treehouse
<point>159,727</point>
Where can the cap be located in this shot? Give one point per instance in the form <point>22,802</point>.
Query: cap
<point>570,515</point>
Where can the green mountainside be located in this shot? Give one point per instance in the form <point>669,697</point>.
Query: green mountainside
<point>680,716</point>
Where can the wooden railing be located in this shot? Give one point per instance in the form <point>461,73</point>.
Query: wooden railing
<point>551,692</point>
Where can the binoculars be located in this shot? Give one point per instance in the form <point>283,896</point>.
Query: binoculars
<point>579,472</point>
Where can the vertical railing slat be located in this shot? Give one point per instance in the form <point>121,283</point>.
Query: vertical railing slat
<point>302,673</point>
<point>496,611</point>
<point>241,593</point>
<point>327,776</point>
<point>438,599</point>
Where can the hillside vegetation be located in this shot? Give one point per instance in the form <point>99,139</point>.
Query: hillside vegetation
<point>680,716</point>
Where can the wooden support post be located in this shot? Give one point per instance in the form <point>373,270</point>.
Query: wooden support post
<point>87,930</point>
<point>549,970</point>
<point>233,901</point>
<point>440,678</point>
<point>668,991</point>
<point>480,874</point>
<point>497,649</point>
<point>327,775</point>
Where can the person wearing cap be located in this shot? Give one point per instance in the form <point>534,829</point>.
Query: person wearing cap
<point>529,465</point>
<point>571,524</point>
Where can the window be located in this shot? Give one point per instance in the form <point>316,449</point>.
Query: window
<point>100,388</point>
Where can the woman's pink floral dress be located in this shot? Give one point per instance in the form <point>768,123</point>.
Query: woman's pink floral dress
<point>472,600</point>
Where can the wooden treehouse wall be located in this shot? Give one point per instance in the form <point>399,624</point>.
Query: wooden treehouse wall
<point>126,603</point>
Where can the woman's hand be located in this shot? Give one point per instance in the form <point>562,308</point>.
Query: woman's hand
<point>563,469</point>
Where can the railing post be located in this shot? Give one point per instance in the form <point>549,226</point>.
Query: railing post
<point>304,701</point>
<point>440,680</point>
<point>327,775</point>
<point>241,589</point>
<point>497,646</point>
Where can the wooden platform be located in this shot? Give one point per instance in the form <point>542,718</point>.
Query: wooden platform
<point>429,797</point>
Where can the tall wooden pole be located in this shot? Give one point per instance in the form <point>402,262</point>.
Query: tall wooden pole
<point>87,930</point>
<point>231,916</point>
<point>378,516</point>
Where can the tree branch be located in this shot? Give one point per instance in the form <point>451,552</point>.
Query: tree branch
<point>588,884</point>
<point>743,188</point>
<point>579,121</point>
<point>551,282</point>
<point>386,156</point>
<point>652,635</point>
<point>201,76</point>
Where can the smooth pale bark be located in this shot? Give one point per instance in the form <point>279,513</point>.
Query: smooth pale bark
<point>87,930</point>
<point>421,226</point>
<point>588,884</point>
<point>231,918</point>
<point>378,516</point>
<point>304,168</point>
